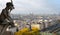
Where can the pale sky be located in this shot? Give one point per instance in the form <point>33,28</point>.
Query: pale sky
<point>33,6</point>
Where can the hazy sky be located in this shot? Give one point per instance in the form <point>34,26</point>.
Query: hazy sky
<point>34,6</point>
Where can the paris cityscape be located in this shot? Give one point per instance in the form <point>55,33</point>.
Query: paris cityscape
<point>50,22</point>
